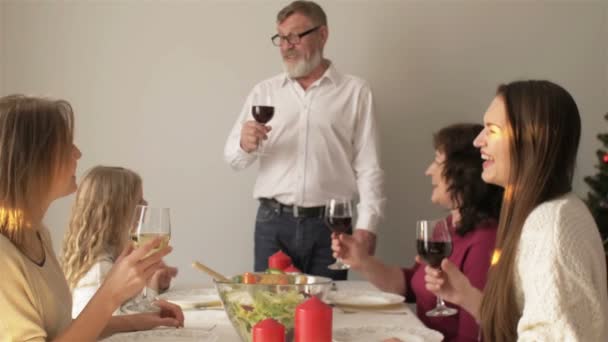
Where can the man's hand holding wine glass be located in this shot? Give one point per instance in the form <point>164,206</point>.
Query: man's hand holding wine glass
<point>252,134</point>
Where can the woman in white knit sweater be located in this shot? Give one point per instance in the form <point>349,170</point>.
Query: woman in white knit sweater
<point>548,279</point>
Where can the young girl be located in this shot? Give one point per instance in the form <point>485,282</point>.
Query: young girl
<point>548,282</point>
<point>102,217</point>
<point>37,165</point>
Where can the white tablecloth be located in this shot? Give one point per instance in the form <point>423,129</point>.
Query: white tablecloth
<point>205,319</point>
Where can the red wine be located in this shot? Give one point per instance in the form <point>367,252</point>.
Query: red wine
<point>339,224</point>
<point>262,114</point>
<point>434,252</point>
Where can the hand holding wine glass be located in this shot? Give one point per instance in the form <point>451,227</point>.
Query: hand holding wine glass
<point>338,217</point>
<point>350,250</point>
<point>150,224</point>
<point>132,270</point>
<point>252,134</point>
<point>434,243</point>
<point>262,114</point>
<point>449,283</point>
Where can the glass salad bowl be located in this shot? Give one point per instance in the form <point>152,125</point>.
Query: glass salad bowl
<point>253,297</point>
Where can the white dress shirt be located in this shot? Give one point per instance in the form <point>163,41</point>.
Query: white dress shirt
<point>323,144</point>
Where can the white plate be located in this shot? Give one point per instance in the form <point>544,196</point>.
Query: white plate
<point>381,333</point>
<point>165,335</point>
<point>188,299</point>
<point>364,298</point>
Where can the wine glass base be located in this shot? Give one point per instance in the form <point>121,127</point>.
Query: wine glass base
<point>140,306</point>
<point>441,312</point>
<point>338,267</point>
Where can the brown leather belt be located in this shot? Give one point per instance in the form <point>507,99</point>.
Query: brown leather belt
<point>295,210</point>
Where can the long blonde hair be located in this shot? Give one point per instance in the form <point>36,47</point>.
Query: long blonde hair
<point>36,139</point>
<point>101,218</point>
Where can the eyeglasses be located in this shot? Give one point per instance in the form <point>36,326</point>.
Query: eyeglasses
<point>292,38</point>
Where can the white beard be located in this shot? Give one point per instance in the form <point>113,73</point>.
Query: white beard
<point>303,67</point>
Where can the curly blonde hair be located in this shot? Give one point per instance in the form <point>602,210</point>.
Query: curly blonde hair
<point>101,219</point>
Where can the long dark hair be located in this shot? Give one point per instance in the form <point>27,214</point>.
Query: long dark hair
<point>476,200</point>
<point>543,128</point>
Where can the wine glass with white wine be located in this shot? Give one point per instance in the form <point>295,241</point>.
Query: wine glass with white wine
<point>149,223</point>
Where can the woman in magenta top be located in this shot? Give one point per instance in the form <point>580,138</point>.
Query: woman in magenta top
<point>474,205</point>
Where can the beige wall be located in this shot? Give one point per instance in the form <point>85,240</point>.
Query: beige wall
<point>157,85</point>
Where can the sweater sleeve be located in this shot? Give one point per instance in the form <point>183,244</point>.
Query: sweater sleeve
<point>21,318</point>
<point>562,276</point>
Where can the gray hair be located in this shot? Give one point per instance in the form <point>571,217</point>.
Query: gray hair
<point>309,9</point>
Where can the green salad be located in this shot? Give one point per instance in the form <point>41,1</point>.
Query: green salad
<point>248,308</point>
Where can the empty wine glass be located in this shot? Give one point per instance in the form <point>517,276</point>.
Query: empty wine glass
<point>434,242</point>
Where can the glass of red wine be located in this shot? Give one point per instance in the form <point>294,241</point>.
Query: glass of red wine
<point>262,114</point>
<point>338,217</point>
<point>434,242</point>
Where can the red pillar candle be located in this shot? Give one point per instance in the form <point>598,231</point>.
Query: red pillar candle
<point>279,260</point>
<point>268,330</point>
<point>292,269</point>
<point>313,321</point>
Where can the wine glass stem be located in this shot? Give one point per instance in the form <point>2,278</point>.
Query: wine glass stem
<point>440,302</point>
<point>260,150</point>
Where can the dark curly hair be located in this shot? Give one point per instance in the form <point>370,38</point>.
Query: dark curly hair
<point>476,200</point>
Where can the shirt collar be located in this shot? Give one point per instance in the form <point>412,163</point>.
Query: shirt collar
<point>332,74</point>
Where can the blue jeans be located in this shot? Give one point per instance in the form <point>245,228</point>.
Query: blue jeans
<point>307,240</point>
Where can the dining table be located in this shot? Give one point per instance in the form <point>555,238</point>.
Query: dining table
<point>211,324</point>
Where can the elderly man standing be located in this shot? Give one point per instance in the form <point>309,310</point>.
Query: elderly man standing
<point>321,143</point>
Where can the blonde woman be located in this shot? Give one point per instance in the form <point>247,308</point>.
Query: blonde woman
<point>37,165</point>
<point>102,216</point>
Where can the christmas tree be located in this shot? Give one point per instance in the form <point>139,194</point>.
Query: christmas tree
<point>597,198</point>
